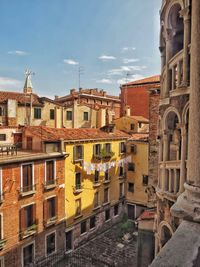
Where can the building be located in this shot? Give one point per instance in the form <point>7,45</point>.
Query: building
<point>89,108</point>
<point>173,114</point>
<point>28,108</point>
<point>137,150</point>
<point>32,214</point>
<point>136,96</point>
<point>94,177</point>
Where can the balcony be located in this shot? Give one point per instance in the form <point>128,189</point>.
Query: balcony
<point>50,184</point>
<point>104,155</point>
<point>2,243</point>
<point>169,180</point>
<point>27,190</point>
<point>31,230</point>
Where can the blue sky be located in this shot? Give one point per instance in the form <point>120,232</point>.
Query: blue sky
<point>107,38</point>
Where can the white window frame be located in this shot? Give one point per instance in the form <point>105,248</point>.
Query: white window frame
<point>46,255</point>
<point>22,252</point>
<point>33,168</point>
<point>45,169</point>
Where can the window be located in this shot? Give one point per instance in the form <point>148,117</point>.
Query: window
<point>37,113</point>
<point>107,215</point>
<point>116,210</point>
<point>121,189</point>
<point>78,181</point>
<point>121,170</point>
<point>27,220</point>
<point>27,178</point>
<point>83,227</point>
<point>145,179</point>
<point>96,199</point>
<point>50,210</point>
<point>85,116</point>
<point>28,255</point>
<point>132,126</point>
<point>122,148</point>
<point>107,175</point>
<point>78,153</point>
<point>133,149</point>
<point>78,207</point>
<point>50,243</point>
<point>131,166</point>
<point>140,125</point>
<point>1,114</point>
<point>52,114</point>
<point>131,187</point>
<point>50,172</point>
<point>108,147</point>
<point>106,195</point>
<point>92,222</point>
<point>96,176</point>
<point>69,115</point>
<point>2,137</point>
<point>97,150</point>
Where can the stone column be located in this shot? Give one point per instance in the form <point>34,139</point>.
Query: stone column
<point>165,158</point>
<point>185,13</point>
<point>188,203</point>
<point>183,158</point>
<point>168,57</point>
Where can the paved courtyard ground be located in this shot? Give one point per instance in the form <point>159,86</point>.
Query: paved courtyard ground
<point>107,249</point>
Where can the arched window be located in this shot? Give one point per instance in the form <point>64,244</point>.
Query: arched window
<point>176,24</point>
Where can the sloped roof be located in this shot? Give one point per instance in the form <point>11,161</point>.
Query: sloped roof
<point>139,137</point>
<point>21,98</point>
<point>52,134</point>
<point>148,80</point>
<point>137,118</point>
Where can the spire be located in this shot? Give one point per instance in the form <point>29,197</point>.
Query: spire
<point>28,87</point>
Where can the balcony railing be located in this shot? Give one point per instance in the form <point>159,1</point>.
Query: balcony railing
<point>170,173</point>
<point>176,70</point>
<point>103,155</point>
<point>28,190</point>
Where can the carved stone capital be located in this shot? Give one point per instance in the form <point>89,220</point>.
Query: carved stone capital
<point>185,13</point>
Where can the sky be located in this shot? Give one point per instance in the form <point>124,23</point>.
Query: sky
<point>110,41</point>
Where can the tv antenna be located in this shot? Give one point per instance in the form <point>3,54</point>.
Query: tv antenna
<point>80,72</point>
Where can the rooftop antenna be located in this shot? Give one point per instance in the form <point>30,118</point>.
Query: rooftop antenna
<point>126,88</point>
<point>80,72</point>
<point>28,93</point>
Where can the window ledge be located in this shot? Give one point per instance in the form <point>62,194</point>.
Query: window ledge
<point>107,203</point>
<point>24,194</point>
<point>78,217</point>
<point>96,184</point>
<point>96,208</point>
<point>121,177</point>
<point>50,186</point>
<point>106,182</point>
<point>51,221</point>
<point>78,191</point>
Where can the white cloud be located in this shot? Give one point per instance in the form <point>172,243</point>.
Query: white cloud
<point>132,78</point>
<point>70,62</point>
<point>124,69</point>
<point>18,53</point>
<point>125,49</point>
<point>106,57</point>
<point>105,81</point>
<point>130,60</point>
<point>7,83</point>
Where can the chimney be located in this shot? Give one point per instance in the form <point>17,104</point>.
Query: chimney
<point>127,111</point>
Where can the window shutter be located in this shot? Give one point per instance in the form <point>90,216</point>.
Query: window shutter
<point>74,153</point>
<point>34,213</point>
<point>22,220</point>
<point>94,150</point>
<point>119,148</point>
<point>56,206</point>
<point>45,212</point>
<point>82,157</point>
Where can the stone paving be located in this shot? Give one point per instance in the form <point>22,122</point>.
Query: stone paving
<point>107,249</point>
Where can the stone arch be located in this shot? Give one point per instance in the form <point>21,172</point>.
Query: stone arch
<point>165,232</point>
<point>175,27</point>
<point>166,114</point>
<point>185,113</point>
<point>185,120</point>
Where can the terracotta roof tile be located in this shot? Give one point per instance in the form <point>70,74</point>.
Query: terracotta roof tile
<point>152,79</point>
<point>147,215</point>
<point>139,137</point>
<point>21,98</point>
<point>52,134</point>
